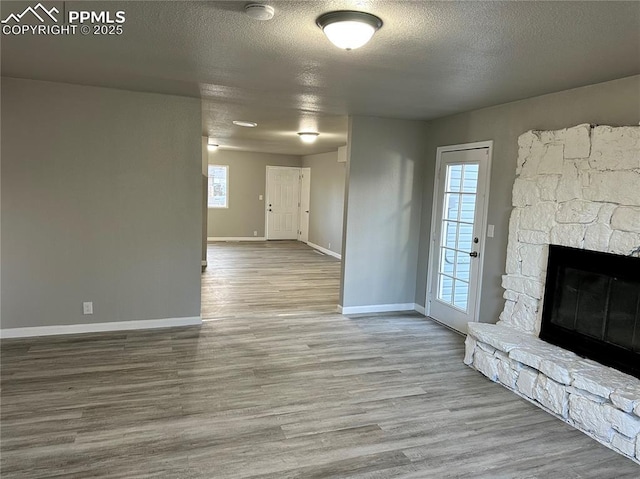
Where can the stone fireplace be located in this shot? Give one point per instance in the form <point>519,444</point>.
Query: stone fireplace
<point>580,188</point>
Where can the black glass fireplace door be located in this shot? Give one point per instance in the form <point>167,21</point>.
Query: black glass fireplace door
<point>592,306</point>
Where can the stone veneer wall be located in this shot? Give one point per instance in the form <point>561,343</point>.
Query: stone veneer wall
<point>576,187</point>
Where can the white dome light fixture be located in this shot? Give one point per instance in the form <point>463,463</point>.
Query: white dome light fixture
<point>260,12</point>
<point>348,29</point>
<point>211,144</point>
<point>246,124</point>
<point>308,136</point>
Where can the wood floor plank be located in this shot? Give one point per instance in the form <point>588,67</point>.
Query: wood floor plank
<point>275,385</point>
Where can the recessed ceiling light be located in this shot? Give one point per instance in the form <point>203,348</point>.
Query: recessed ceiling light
<point>260,12</point>
<point>348,29</point>
<point>211,144</point>
<point>248,124</point>
<point>308,136</point>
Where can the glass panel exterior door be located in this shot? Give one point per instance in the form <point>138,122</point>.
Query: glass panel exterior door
<point>459,205</point>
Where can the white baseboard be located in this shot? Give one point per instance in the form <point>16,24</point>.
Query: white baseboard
<point>420,309</point>
<point>324,250</point>
<point>236,238</point>
<point>99,327</point>
<point>377,308</point>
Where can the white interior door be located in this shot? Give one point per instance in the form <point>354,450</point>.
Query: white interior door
<point>283,201</point>
<point>457,241</point>
<point>305,199</point>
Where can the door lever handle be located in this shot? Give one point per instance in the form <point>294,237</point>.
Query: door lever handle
<point>473,254</point>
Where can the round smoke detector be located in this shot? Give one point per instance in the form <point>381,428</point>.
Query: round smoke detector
<point>259,12</point>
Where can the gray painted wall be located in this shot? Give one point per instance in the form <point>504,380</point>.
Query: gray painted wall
<point>101,201</point>
<point>611,103</point>
<point>384,199</point>
<point>327,200</point>
<point>247,180</point>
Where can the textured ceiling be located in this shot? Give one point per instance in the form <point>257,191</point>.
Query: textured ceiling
<point>430,59</point>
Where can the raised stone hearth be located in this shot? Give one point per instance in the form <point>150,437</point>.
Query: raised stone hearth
<point>577,187</point>
<point>598,400</point>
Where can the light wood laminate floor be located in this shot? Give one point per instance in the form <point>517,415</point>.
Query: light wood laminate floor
<point>248,278</point>
<point>278,391</point>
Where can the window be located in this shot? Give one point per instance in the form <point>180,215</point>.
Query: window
<point>461,188</point>
<point>218,195</point>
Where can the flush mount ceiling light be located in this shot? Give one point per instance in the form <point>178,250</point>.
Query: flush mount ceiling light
<point>247,124</point>
<point>308,136</point>
<point>211,145</point>
<point>348,29</point>
<point>260,12</point>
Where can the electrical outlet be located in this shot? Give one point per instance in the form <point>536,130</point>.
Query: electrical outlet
<point>260,197</point>
<point>87,307</point>
<point>255,233</point>
<point>491,231</point>
<point>329,245</point>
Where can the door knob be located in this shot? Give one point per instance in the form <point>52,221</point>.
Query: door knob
<point>269,209</point>
<point>473,254</point>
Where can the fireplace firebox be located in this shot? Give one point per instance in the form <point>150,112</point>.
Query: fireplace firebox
<point>592,306</point>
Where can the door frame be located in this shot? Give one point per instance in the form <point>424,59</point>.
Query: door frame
<point>483,227</point>
<point>266,199</point>
<point>303,170</point>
